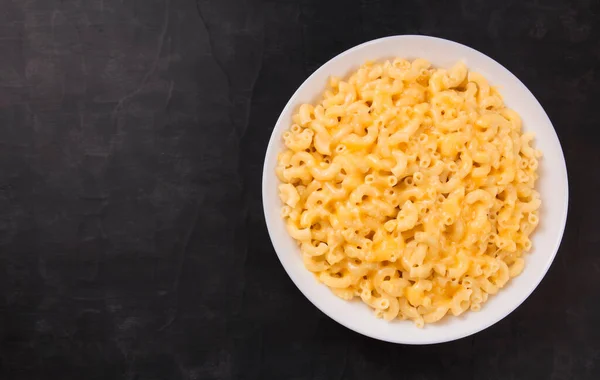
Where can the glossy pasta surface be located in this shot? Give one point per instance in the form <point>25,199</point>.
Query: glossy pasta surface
<point>411,188</point>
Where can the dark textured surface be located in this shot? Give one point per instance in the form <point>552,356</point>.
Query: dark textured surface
<point>132,240</point>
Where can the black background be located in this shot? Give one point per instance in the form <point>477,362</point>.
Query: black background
<point>132,239</point>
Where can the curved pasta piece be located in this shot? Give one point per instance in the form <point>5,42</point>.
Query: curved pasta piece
<point>407,216</point>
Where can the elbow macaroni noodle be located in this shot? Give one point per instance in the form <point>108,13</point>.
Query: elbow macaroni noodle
<point>410,187</point>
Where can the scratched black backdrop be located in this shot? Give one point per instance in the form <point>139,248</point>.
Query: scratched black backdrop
<point>132,240</point>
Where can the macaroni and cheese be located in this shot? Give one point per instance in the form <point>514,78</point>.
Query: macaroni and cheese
<point>410,187</point>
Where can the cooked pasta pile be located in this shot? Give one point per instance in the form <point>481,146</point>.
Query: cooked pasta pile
<point>410,187</point>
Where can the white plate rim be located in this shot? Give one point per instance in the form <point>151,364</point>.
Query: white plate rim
<point>268,172</point>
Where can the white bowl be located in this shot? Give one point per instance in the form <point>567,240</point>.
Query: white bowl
<point>552,185</point>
